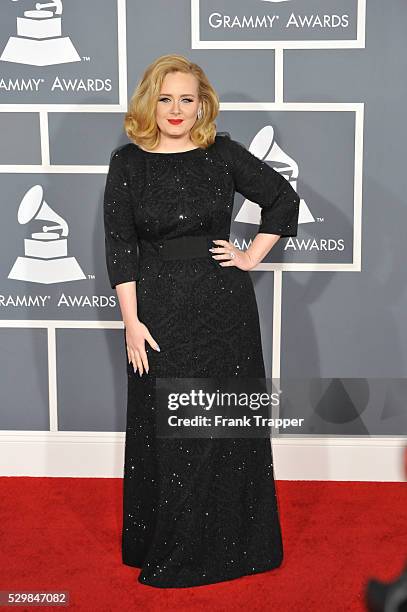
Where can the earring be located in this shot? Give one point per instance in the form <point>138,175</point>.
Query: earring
<point>200,112</point>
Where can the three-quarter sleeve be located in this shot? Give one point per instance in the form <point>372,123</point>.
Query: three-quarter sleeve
<point>260,183</point>
<point>121,244</point>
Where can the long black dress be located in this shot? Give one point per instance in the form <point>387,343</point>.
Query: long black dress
<point>195,511</point>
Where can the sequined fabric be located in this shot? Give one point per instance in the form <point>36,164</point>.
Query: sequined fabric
<point>195,511</point>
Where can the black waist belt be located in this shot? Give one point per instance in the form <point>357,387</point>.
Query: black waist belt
<point>188,247</point>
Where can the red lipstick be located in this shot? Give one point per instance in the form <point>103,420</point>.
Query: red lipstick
<point>175,121</point>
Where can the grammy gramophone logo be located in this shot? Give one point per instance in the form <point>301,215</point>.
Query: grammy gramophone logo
<point>265,147</point>
<point>45,257</point>
<point>39,40</point>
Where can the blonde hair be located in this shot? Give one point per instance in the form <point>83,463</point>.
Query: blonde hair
<point>140,122</point>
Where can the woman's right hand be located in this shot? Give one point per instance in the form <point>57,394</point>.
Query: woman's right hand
<point>136,335</point>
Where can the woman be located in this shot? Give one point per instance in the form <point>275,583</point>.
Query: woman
<point>195,511</point>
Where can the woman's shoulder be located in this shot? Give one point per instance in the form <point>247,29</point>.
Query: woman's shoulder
<point>225,140</point>
<point>230,148</point>
<point>122,151</point>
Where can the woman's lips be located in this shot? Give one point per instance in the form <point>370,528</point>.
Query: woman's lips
<point>175,121</point>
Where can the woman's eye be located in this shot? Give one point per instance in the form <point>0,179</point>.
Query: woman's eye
<point>183,99</point>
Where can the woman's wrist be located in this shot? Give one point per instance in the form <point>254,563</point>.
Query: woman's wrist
<point>129,321</point>
<point>261,246</point>
<point>253,260</point>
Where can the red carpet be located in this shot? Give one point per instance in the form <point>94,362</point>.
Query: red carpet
<point>64,534</point>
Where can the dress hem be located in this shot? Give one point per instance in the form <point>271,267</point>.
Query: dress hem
<point>208,580</point>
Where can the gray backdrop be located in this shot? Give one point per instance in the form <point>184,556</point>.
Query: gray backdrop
<point>317,89</point>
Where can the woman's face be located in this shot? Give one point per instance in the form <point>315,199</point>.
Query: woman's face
<point>178,100</point>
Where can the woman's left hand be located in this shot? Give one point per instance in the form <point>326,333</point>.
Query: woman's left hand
<point>222,252</point>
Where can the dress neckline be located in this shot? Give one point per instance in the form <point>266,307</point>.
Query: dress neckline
<point>173,153</point>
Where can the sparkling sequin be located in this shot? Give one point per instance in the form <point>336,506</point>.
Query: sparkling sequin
<point>195,511</point>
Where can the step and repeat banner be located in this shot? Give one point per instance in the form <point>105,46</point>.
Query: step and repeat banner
<point>312,88</point>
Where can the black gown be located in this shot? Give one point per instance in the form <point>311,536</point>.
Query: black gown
<point>195,511</point>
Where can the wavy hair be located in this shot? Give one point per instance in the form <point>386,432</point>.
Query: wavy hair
<point>140,123</point>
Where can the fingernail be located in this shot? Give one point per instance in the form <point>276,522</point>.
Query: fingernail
<point>158,348</point>
<point>140,374</point>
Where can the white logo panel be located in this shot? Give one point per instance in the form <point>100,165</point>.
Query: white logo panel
<point>39,40</point>
<point>52,251</point>
<point>45,257</point>
<point>52,54</point>
<point>277,24</point>
<point>328,183</point>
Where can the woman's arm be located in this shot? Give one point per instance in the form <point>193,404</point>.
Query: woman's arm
<point>121,247</point>
<point>260,183</point>
<point>121,240</point>
<point>279,203</point>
